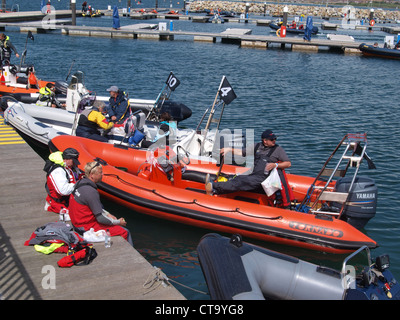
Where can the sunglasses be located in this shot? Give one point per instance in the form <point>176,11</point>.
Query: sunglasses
<point>96,165</point>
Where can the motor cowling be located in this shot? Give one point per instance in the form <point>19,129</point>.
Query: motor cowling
<point>361,202</point>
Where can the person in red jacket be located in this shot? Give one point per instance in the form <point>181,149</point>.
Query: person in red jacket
<point>62,174</point>
<point>86,210</point>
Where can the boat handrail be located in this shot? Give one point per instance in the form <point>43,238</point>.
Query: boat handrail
<point>353,255</point>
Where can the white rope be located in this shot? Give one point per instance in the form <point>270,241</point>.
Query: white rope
<point>157,278</point>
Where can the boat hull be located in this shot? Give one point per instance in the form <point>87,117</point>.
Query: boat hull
<point>371,51</point>
<point>274,26</point>
<point>235,270</point>
<point>185,202</point>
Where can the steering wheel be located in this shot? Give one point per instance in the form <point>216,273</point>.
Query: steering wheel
<point>182,155</point>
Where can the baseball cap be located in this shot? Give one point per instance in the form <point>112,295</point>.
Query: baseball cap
<point>268,134</point>
<point>71,153</point>
<point>113,88</point>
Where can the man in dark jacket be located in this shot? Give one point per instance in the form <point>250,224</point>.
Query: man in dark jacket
<point>6,48</point>
<point>267,156</point>
<point>118,109</point>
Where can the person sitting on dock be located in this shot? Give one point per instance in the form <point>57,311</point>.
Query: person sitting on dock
<point>119,105</point>
<point>47,97</point>
<point>6,48</point>
<point>267,156</point>
<point>90,120</point>
<point>86,210</point>
<point>61,175</point>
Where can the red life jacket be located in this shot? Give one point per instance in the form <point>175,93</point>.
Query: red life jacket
<point>82,216</point>
<point>56,200</point>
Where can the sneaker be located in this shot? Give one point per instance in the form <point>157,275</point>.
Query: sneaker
<point>46,206</point>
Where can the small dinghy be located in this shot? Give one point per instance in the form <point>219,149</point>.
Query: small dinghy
<point>293,30</point>
<point>235,270</point>
<point>20,83</point>
<point>373,51</point>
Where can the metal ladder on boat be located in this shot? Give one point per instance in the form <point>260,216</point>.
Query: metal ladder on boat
<point>355,146</point>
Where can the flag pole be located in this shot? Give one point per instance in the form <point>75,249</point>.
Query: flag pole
<point>213,108</point>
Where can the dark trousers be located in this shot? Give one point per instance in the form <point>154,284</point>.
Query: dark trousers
<point>93,136</point>
<point>249,182</point>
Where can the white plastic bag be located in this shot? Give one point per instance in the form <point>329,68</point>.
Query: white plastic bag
<point>272,183</point>
<point>92,236</point>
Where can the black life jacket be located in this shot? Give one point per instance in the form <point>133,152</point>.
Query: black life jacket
<point>261,156</point>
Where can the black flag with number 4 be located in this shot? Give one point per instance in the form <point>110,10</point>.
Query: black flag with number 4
<point>226,92</point>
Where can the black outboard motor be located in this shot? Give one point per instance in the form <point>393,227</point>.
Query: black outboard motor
<point>362,201</point>
<point>177,110</point>
<point>61,87</point>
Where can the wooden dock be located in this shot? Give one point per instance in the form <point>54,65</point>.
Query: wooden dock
<point>150,31</point>
<point>229,36</point>
<point>118,273</point>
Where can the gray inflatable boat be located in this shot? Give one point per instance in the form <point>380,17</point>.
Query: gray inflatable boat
<point>239,271</point>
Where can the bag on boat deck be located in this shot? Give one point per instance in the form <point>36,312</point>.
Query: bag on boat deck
<point>272,183</point>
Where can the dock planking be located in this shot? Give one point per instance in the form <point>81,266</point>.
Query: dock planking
<point>118,273</point>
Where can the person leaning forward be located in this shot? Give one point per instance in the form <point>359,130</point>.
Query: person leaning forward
<point>86,210</point>
<point>90,120</point>
<point>267,156</point>
<point>118,108</point>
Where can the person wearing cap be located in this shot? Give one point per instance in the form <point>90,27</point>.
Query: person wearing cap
<point>86,210</point>
<point>61,175</point>
<point>267,156</point>
<point>90,120</point>
<point>118,105</point>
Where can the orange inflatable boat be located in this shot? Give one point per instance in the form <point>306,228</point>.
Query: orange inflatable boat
<point>167,186</point>
<point>22,85</point>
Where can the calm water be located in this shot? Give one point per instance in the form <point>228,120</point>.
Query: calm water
<point>310,100</point>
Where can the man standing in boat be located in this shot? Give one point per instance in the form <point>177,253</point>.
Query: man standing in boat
<point>118,109</point>
<point>6,48</point>
<point>267,156</point>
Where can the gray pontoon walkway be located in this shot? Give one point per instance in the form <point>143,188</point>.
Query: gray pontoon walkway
<point>118,272</point>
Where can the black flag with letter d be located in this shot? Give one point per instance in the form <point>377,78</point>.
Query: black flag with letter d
<point>226,92</point>
<point>30,35</point>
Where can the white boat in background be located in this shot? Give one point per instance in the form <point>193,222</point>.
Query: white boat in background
<point>38,125</point>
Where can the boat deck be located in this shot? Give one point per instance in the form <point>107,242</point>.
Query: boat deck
<point>117,273</point>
